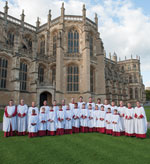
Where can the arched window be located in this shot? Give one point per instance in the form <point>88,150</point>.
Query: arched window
<point>41,74</point>
<point>92,79</point>
<point>42,46</point>
<point>131,93</point>
<point>53,74</point>
<point>23,76</point>
<point>3,72</point>
<point>73,78</point>
<point>54,44</point>
<point>136,93</point>
<point>73,41</point>
<point>91,45</point>
<point>10,38</point>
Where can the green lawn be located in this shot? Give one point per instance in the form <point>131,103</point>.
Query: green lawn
<point>80,148</point>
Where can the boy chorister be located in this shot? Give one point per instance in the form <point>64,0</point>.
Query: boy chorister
<point>108,121</point>
<point>140,121</point>
<point>42,122</point>
<point>33,124</point>
<point>60,121</point>
<point>116,124</point>
<point>129,121</point>
<point>90,118</point>
<point>22,111</point>
<point>83,119</point>
<point>68,120</point>
<point>102,120</point>
<point>51,122</point>
<point>96,118</point>
<point>76,119</point>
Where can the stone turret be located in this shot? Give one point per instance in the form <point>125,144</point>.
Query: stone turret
<point>84,13</point>
<point>6,10</point>
<point>38,23</point>
<point>49,18</point>
<point>96,21</point>
<point>114,57</point>
<point>22,17</point>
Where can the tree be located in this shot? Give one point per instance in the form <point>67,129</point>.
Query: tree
<point>147,95</point>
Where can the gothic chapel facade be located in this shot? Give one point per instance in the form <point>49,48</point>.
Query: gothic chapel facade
<point>60,59</point>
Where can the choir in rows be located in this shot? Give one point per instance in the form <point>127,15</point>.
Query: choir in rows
<point>74,118</point>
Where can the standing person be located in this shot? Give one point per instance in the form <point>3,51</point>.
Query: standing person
<point>72,104</point>
<point>60,121</point>
<point>22,111</point>
<point>90,118</point>
<point>121,111</point>
<point>76,119</point>
<point>51,122</point>
<point>96,118</point>
<point>116,124</point>
<point>33,124</point>
<point>102,120</point>
<point>33,106</point>
<point>9,120</point>
<point>99,103</point>
<point>106,105</point>
<point>83,119</point>
<point>42,122</point>
<point>55,107</point>
<point>108,121</point>
<point>91,102</point>
<point>68,120</point>
<point>64,106</point>
<point>80,102</point>
<point>113,106</point>
<point>140,121</point>
<point>129,121</point>
<point>45,106</point>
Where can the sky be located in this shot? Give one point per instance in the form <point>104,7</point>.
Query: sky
<point>124,25</point>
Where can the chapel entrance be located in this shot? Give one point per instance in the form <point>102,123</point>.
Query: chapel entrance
<point>46,96</point>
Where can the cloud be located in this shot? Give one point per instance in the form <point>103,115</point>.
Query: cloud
<point>124,28</point>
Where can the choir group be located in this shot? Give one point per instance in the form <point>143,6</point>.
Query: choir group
<point>74,118</point>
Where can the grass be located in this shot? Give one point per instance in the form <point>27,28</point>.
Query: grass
<point>89,148</point>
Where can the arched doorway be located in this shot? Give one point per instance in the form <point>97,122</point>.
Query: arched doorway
<point>45,96</point>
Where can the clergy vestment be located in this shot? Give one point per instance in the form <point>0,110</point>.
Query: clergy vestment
<point>76,120</point>
<point>22,111</point>
<point>102,121</point>
<point>51,122</point>
<point>108,122</point>
<point>42,124</point>
<point>129,122</point>
<point>90,120</point>
<point>68,121</point>
<point>84,120</point>
<point>33,125</point>
<point>140,122</point>
<point>121,111</point>
<point>60,122</point>
<point>10,124</point>
<point>116,125</point>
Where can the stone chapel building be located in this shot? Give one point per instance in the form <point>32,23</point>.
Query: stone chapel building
<point>61,59</point>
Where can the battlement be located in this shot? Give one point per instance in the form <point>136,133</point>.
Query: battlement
<point>76,18</point>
